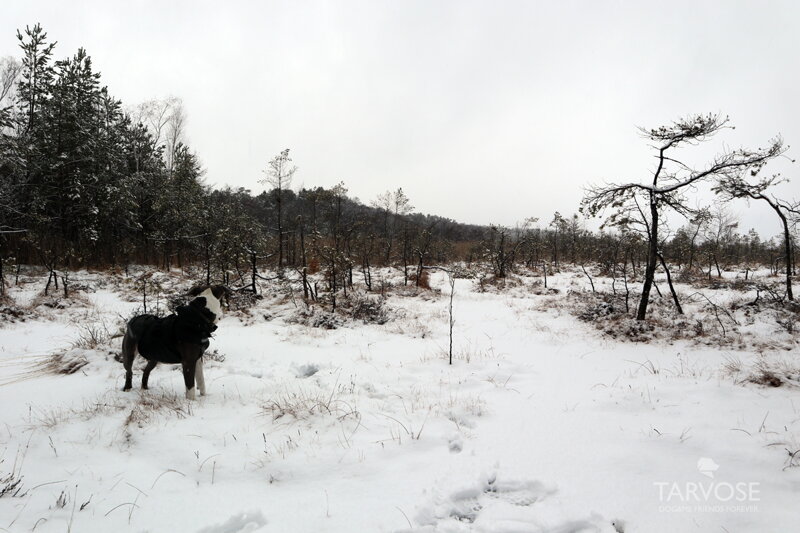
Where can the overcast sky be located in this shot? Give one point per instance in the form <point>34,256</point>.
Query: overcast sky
<point>485,112</point>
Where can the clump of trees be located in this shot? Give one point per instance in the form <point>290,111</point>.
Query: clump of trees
<point>643,205</point>
<point>736,186</point>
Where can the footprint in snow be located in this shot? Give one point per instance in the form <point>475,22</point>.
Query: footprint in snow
<point>305,371</point>
<point>488,506</point>
<point>465,505</point>
<point>518,492</point>
<point>246,522</point>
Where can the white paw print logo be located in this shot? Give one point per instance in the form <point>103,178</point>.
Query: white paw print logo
<point>707,467</point>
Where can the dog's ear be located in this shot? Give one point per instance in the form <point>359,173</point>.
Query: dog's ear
<point>219,291</point>
<point>208,314</point>
<point>195,322</point>
<point>199,309</point>
<point>194,291</point>
<point>185,311</point>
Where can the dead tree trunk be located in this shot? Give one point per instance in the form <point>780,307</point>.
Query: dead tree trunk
<point>671,287</point>
<point>652,257</point>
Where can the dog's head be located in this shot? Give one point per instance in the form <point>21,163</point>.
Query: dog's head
<point>210,299</point>
<point>197,317</point>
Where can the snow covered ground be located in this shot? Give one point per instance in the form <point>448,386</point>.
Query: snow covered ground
<point>543,423</point>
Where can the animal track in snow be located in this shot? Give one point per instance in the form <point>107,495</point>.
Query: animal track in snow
<point>465,505</point>
<point>522,493</point>
<point>500,505</point>
<point>246,522</point>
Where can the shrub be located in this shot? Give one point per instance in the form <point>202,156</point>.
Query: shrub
<point>370,310</point>
<point>424,279</point>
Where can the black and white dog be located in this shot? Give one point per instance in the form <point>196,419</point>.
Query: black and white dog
<point>178,338</point>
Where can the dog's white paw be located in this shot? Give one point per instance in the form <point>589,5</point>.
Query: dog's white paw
<point>190,394</point>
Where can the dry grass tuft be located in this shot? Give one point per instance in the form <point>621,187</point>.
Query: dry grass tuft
<point>11,485</point>
<point>763,375</point>
<point>150,404</point>
<point>304,403</point>
<point>774,373</point>
<point>92,335</point>
<point>143,406</point>
<point>732,366</point>
<point>780,371</point>
<point>64,363</point>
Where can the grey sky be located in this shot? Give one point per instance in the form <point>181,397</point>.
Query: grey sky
<point>481,111</point>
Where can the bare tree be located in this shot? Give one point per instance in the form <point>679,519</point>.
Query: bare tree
<point>719,234</point>
<point>671,179</point>
<point>153,114</point>
<point>736,186</point>
<point>559,225</point>
<point>402,207</point>
<point>175,131</point>
<point>165,119</point>
<point>10,69</point>
<point>279,175</point>
<point>385,203</point>
<point>697,224</point>
<point>500,248</point>
<point>452,273</point>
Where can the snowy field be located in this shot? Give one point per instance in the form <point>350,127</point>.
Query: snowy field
<point>543,423</point>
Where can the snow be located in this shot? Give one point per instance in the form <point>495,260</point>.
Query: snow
<point>541,424</point>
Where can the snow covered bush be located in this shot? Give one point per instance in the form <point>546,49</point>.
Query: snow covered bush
<point>312,317</point>
<point>368,309</point>
<point>242,300</point>
<point>10,313</point>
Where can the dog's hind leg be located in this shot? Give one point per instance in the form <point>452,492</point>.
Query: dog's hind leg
<point>128,355</point>
<point>201,380</point>
<point>146,374</point>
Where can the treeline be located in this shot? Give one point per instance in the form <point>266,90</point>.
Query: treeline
<point>86,182</point>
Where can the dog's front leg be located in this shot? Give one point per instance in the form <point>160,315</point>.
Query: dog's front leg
<point>188,377</point>
<point>201,380</point>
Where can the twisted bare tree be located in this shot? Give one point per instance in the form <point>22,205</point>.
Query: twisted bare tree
<point>737,186</point>
<point>670,180</point>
